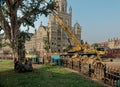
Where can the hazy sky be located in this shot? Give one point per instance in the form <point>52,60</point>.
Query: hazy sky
<point>99,19</point>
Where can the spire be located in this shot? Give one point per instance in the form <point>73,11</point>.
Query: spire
<point>70,10</point>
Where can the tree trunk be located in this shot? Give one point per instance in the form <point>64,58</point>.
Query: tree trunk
<point>21,54</point>
<point>22,65</point>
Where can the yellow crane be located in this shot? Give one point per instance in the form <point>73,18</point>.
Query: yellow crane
<point>78,47</point>
<point>83,48</point>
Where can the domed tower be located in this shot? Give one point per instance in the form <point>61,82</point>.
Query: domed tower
<point>77,31</point>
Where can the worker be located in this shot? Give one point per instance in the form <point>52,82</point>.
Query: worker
<point>37,59</point>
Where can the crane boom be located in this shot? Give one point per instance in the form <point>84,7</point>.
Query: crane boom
<point>84,48</point>
<point>65,28</point>
<point>78,46</point>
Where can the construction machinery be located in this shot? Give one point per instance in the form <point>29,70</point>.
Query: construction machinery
<point>83,49</point>
<point>80,49</point>
<point>101,51</point>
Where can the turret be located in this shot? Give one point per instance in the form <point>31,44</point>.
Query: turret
<point>77,28</point>
<point>51,19</point>
<point>65,5</point>
<point>70,10</point>
<point>77,31</point>
<point>62,5</point>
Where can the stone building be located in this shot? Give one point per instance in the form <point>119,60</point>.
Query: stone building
<point>36,42</point>
<point>111,43</point>
<point>57,39</point>
<point>114,43</point>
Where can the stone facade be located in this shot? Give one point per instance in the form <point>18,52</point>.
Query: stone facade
<point>56,37</point>
<point>36,42</point>
<point>111,43</point>
<point>114,43</point>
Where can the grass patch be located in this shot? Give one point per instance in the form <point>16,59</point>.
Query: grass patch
<point>45,76</point>
<point>6,65</point>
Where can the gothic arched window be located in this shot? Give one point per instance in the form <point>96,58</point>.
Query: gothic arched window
<point>62,7</point>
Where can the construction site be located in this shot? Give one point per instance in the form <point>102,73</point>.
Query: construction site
<point>89,62</point>
<point>93,63</point>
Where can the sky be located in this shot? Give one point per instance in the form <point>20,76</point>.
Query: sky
<point>99,19</point>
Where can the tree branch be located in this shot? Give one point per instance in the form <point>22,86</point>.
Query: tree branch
<point>28,14</point>
<point>4,24</point>
<point>17,3</point>
<point>36,11</point>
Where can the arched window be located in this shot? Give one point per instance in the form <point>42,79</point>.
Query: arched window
<point>62,7</point>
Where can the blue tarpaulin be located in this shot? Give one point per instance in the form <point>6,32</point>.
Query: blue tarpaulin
<point>55,56</point>
<point>56,59</point>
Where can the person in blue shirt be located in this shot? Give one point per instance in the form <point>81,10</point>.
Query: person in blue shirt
<point>37,59</point>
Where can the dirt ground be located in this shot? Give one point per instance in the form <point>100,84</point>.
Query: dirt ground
<point>115,63</point>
